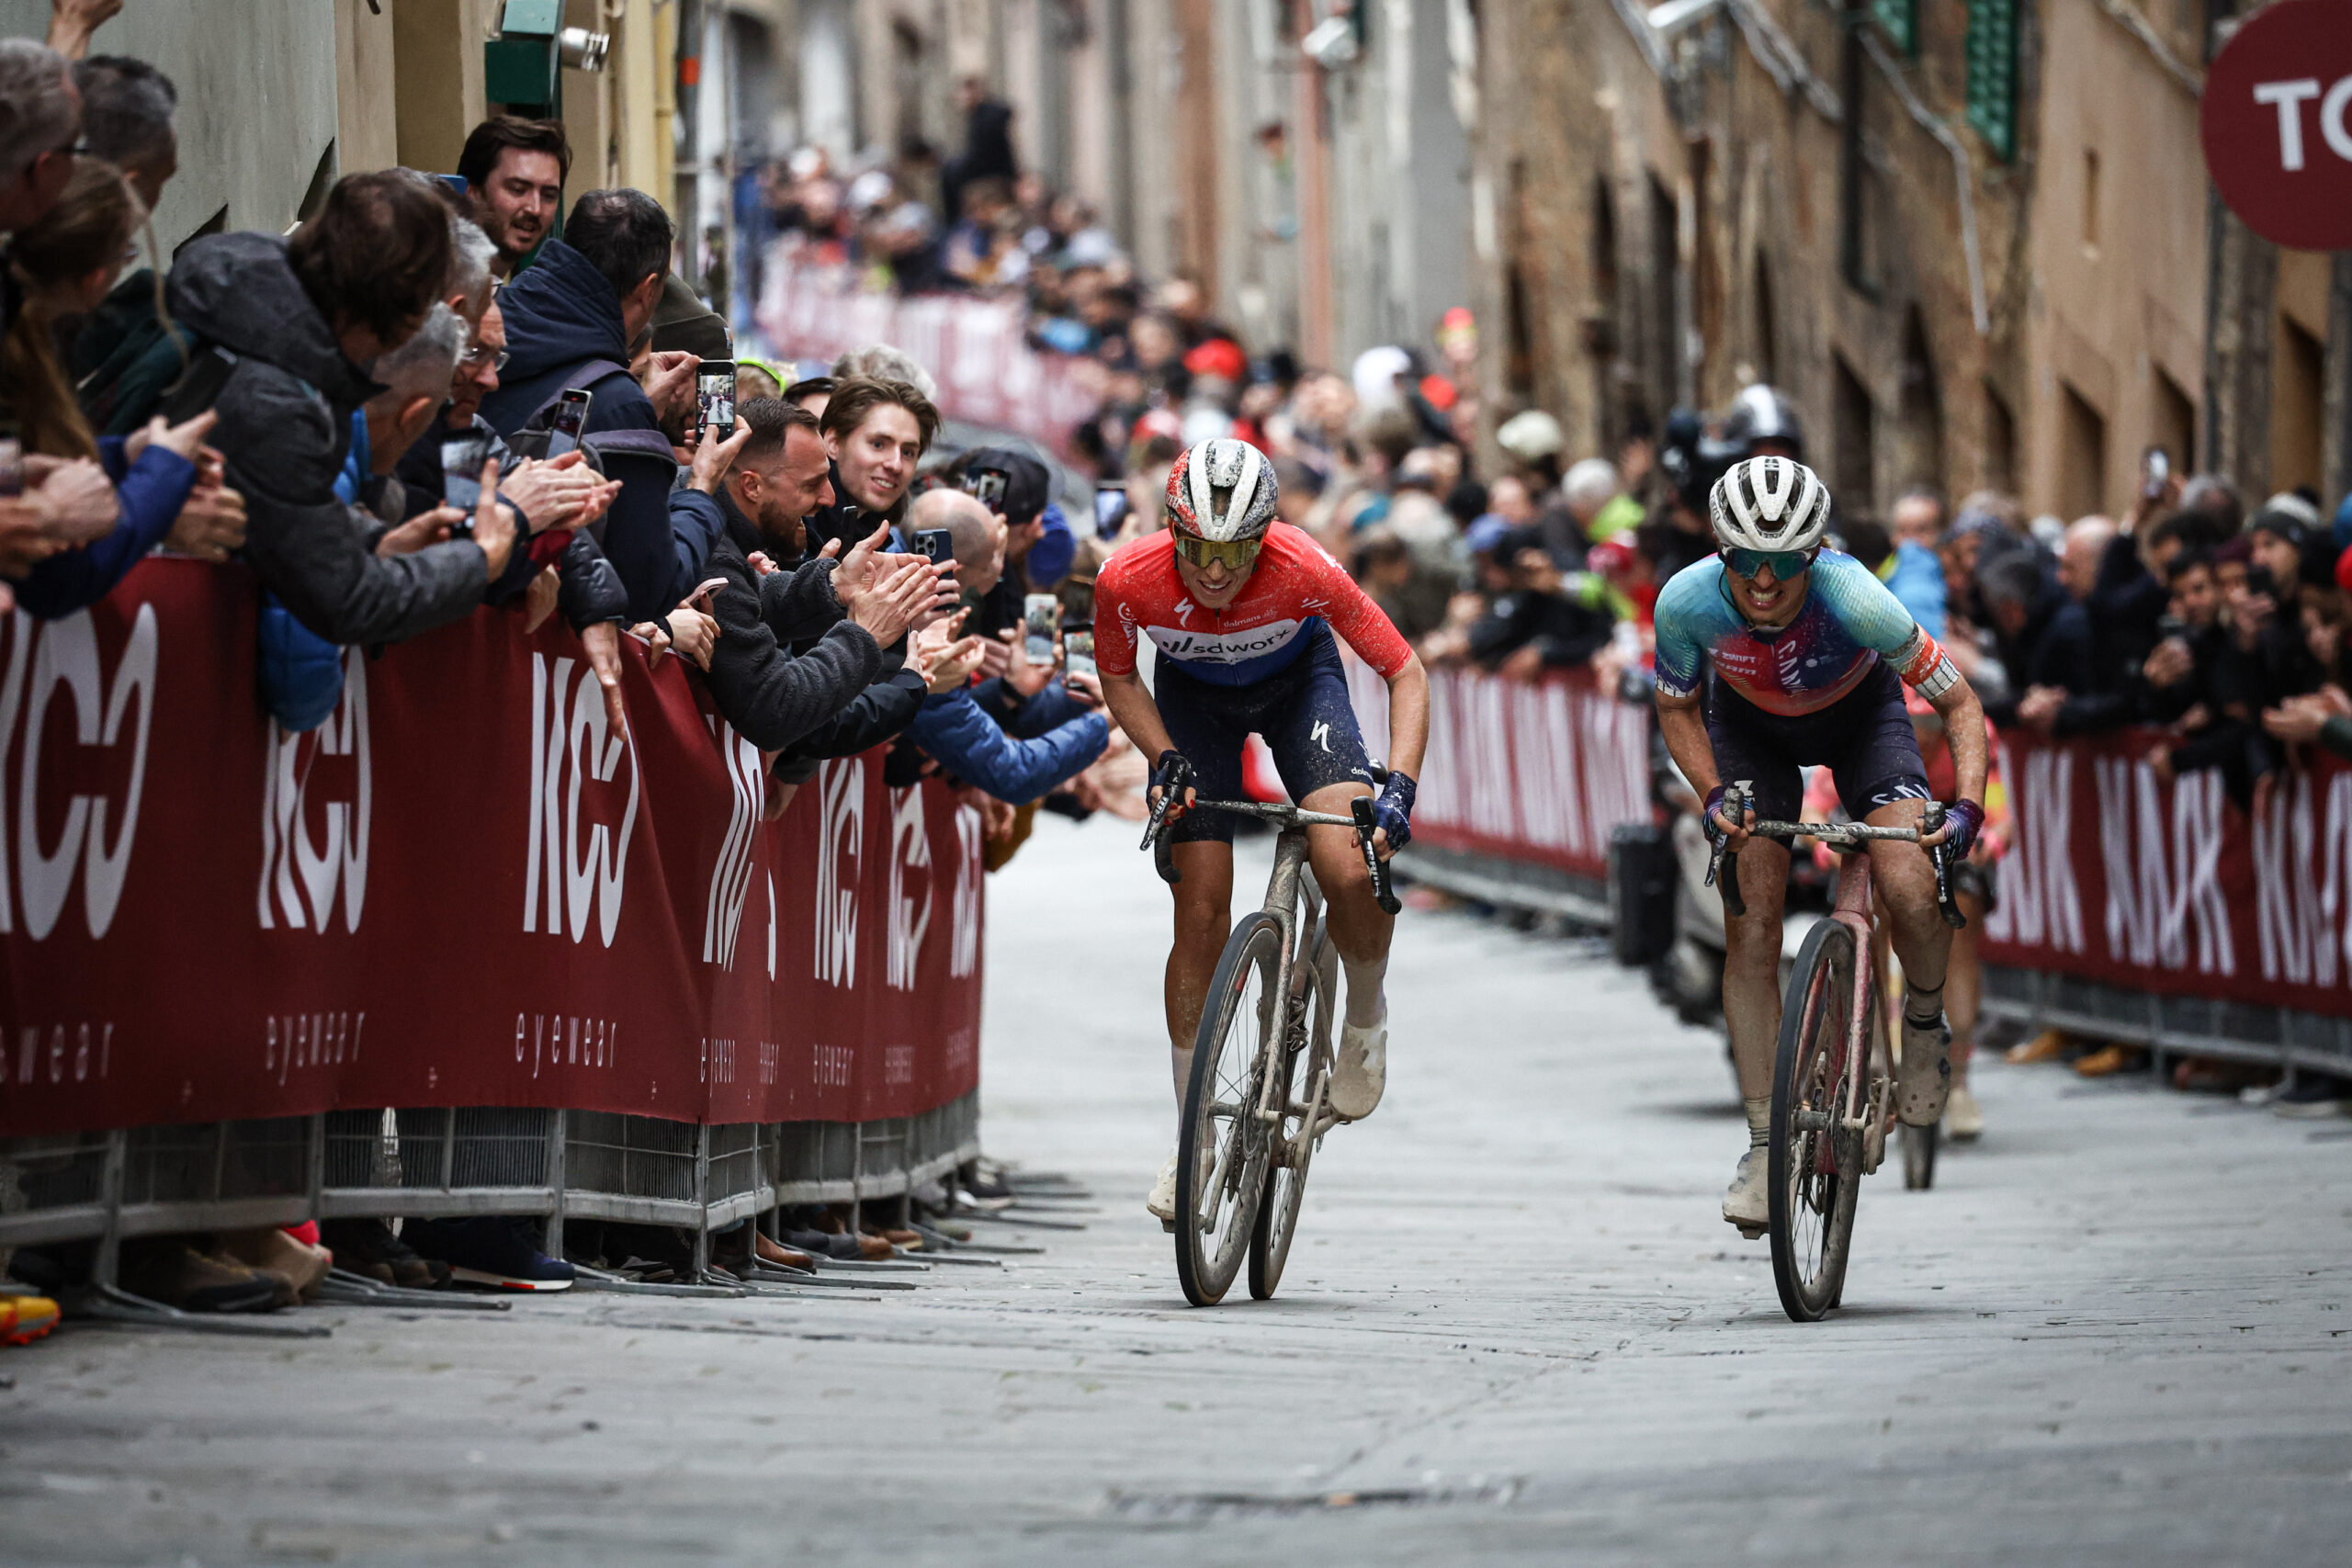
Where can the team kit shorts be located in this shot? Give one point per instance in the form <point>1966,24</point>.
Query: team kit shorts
<point>1865,738</point>
<point>1303,712</point>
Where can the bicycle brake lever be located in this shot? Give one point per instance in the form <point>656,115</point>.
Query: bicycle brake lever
<point>1723,867</point>
<point>1940,856</point>
<point>1361,809</point>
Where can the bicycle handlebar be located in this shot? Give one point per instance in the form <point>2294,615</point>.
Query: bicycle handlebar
<point>1155,836</point>
<point>1723,865</point>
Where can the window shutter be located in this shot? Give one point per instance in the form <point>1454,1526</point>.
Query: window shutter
<point>1993,74</point>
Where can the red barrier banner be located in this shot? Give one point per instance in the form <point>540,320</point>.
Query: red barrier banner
<point>1537,771</point>
<point>2117,876</point>
<point>465,888</point>
<point>988,373</point>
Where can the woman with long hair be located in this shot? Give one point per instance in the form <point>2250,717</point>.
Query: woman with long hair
<point>65,264</point>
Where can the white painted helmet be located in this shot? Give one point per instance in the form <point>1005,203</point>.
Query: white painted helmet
<point>1770,503</point>
<point>1222,490</point>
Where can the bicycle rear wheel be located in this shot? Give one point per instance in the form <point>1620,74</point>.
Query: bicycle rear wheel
<point>1816,1162</point>
<point>1306,1057</point>
<point>1222,1150</point>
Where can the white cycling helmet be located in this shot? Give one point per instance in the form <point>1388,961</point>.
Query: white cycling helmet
<point>1222,490</point>
<point>1770,503</point>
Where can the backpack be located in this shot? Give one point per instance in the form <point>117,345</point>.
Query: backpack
<point>530,439</point>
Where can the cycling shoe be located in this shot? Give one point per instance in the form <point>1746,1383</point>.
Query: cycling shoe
<point>1747,1204</point>
<point>1923,1079</point>
<point>1360,1075</point>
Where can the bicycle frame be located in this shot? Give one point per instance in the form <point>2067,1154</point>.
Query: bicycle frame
<point>1853,912</point>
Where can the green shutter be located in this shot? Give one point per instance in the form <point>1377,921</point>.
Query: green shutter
<point>1899,20</point>
<point>1993,74</point>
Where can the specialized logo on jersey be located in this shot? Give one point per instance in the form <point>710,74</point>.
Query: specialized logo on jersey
<point>327,769</point>
<point>65,670</point>
<point>1224,647</point>
<point>1321,735</point>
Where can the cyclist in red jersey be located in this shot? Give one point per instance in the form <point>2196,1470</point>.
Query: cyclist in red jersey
<point>1242,612</point>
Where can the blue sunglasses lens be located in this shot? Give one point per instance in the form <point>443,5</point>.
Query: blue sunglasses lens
<point>1784,563</point>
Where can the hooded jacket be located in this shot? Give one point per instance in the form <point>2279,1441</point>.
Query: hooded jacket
<point>560,316</point>
<point>847,520</point>
<point>285,425</point>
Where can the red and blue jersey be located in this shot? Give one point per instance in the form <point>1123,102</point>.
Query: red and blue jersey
<point>1294,590</point>
<point>1848,623</point>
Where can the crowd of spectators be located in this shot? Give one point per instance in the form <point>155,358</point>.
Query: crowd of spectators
<point>370,413</point>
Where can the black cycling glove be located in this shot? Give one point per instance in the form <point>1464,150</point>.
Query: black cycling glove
<point>1172,776</point>
<point>1965,820</point>
<point>1393,811</point>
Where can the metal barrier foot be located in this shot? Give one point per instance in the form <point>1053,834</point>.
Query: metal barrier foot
<point>110,1303</point>
<point>583,1278</point>
<point>797,1280</point>
<point>343,1288</point>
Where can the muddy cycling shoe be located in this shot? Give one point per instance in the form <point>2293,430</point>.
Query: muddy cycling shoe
<point>1162,1202</point>
<point>1923,1077</point>
<point>1361,1075</point>
<point>1746,1203</point>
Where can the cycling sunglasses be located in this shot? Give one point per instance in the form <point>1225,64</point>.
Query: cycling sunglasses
<point>1234,555</point>
<point>1785,564</point>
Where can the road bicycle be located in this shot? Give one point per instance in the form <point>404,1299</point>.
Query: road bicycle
<point>1255,1111</point>
<point>1833,1076</point>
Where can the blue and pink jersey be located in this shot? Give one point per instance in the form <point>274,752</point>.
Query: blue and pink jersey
<point>1848,623</point>
<point>1294,590</point>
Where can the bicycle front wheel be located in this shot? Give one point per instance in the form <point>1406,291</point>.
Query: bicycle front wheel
<point>1306,1060</point>
<point>1817,1160</point>
<point>1222,1150</point>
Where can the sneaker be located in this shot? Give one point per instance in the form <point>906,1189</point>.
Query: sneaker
<point>1361,1075</point>
<point>1923,1077</point>
<point>2046,1046</point>
<point>271,1250</point>
<point>1963,1118</point>
<point>2315,1096</point>
<point>24,1319</point>
<point>1746,1203</point>
<point>491,1249</point>
<point>2109,1060</point>
<point>173,1273</point>
<point>369,1248</point>
<point>1162,1205</point>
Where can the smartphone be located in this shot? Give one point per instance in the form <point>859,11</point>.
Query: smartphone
<point>2155,471</point>
<point>12,465</point>
<point>987,488</point>
<point>700,597</point>
<point>1078,650</point>
<point>934,545</point>
<point>1041,617</point>
<point>1111,508</point>
<point>570,419</point>
<point>714,397</point>
<point>461,460</point>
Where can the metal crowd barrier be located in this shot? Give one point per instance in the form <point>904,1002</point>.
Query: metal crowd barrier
<point>558,1165</point>
<point>2170,1026</point>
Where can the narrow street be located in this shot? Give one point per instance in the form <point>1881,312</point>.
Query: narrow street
<point>1513,1328</point>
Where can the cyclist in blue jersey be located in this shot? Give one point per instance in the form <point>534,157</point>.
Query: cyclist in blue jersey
<point>1810,654</point>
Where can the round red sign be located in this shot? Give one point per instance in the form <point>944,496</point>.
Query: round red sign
<point>2276,124</point>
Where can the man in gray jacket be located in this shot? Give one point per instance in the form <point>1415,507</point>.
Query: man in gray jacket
<point>300,321</point>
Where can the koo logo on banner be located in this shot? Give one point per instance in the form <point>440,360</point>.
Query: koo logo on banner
<point>572,745</point>
<point>52,663</point>
<point>299,878</point>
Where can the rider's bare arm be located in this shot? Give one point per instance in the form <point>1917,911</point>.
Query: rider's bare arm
<point>1964,718</point>
<point>1684,729</point>
<point>1130,703</point>
<point>1408,717</point>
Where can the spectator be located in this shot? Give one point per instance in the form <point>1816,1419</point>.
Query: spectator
<point>515,171</point>
<point>955,731</point>
<point>855,607</point>
<point>302,317</point>
<point>571,320</point>
<point>876,432</point>
<point>40,118</point>
<point>987,146</point>
<point>1596,503</point>
<point>812,394</point>
<point>1917,579</point>
<point>67,260</point>
<point>1549,620</point>
<point>127,109</point>
<point>880,362</point>
<point>2063,660</point>
<point>2021,601</point>
<point>415,380</point>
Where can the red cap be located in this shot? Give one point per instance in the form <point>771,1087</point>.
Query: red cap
<point>1220,357</point>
